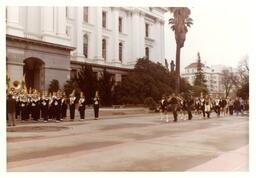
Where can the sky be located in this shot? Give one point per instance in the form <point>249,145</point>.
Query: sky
<point>220,34</point>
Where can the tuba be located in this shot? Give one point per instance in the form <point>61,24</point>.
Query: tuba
<point>16,87</point>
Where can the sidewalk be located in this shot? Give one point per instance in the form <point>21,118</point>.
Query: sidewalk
<point>236,160</point>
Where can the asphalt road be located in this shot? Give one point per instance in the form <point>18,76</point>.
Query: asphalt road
<point>129,143</point>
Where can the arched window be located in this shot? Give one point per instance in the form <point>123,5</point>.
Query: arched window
<point>147,53</point>
<point>104,49</point>
<point>85,46</point>
<point>120,52</point>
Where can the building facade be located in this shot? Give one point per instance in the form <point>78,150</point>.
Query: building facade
<point>47,43</point>
<point>213,76</point>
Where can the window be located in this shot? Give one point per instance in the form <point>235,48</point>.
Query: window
<point>67,12</point>
<point>68,31</point>
<point>85,46</point>
<point>120,24</point>
<point>120,52</point>
<point>104,49</point>
<point>147,29</point>
<point>147,52</point>
<point>86,14</point>
<point>104,19</point>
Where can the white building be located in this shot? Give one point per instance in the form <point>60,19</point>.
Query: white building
<point>213,76</point>
<point>46,43</point>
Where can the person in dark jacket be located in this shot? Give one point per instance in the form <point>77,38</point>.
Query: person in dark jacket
<point>64,106</point>
<point>11,108</point>
<point>44,104</point>
<point>188,105</point>
<point>72,105</point>
<point>81,106</point>
<point>163,108</point>
<point>96,105</point>
<point>174,103</point>
<point>237,106</point>
<point>35,106</point>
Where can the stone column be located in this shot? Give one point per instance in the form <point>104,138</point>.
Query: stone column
<point>13,22</point>
<point>135,36</point>
<point>61,30</point>
<point>98,34</point>
<point>142,36</point>
<point>79,31</point>
<point>47,20</point>
<point>115,36</point>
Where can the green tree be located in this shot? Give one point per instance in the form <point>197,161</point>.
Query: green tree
<point>179,24</point>
<point>106,83</point>
<point>69,86</point>
<point>87,81</point>
<point>148,79</point>
<point>54,86</point>
<point>200,82</point>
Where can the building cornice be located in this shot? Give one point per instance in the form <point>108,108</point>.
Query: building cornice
<point>38,42</point>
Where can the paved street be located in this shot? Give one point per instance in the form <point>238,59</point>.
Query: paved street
<point>139,142</point>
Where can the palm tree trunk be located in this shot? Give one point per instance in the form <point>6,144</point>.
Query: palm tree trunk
<point>177,68</point>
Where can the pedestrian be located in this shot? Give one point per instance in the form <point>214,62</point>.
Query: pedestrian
<point>81,106</point>
<point>96,105</point>
<point>223,105</point>
<point>11,107</point>
<point>163,108</point>
<point>72,105</point>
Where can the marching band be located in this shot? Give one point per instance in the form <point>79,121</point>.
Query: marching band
<point>53,106</point>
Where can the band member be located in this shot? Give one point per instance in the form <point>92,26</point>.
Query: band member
<point>202,105</point>
<point>174,103</point>
<point>208,107</point>
<point>198,106</point>
<point>81,106</point>
<point>223,106</point>
<point>183,108</point>
<point>56,105</point>
<point>217,106</point>
<point>24,107</point>
<point>163,108</point>
<point>17,106</point>
<point>50,107</point>
<point>96,105</point>
<point>189,104</point>
<point>35,106</point>
<point>64,106</point>
<point>44,103</point>
<point>72,105</point>
<point>230,106</point>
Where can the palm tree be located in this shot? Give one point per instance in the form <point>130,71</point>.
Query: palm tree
<point>179,24</point>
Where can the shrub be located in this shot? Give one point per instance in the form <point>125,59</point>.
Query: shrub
<point>150,103</point>
<point>54,86</point>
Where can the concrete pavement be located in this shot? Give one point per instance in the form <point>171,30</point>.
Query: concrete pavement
<point>129,143</point>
